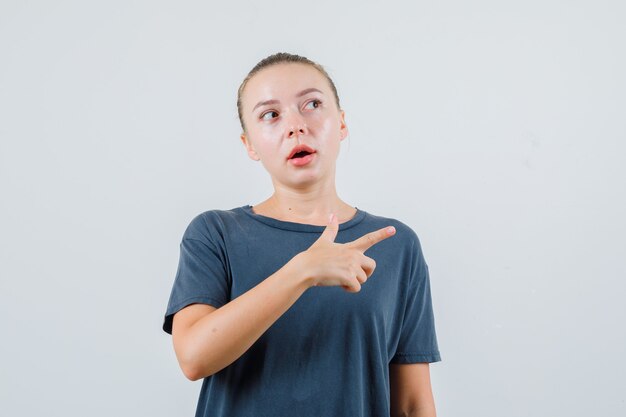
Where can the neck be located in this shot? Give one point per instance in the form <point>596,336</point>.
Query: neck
<point>311,206</point>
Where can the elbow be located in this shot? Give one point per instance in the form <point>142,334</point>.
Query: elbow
<point>191,373</point>
<point>194,362</point>
<point>194,370</point>
<point>188,361</point>
<point>195,373</point>
<point>189,370</point>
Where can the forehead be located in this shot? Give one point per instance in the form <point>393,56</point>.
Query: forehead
<point>282,82</point>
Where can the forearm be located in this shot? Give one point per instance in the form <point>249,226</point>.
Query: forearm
<point>221,337</point>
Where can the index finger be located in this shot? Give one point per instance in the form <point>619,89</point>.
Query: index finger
<point>368,240</point>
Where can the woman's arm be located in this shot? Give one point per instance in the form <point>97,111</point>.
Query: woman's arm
<point>206,339</point>
<point>411,393</point>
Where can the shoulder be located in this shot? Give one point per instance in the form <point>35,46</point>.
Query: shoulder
<point>210,224</point>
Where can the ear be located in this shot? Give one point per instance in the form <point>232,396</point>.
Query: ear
<point>343,129</point>
<point>248,145</point>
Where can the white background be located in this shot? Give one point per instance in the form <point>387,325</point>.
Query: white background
<point>494,129</point>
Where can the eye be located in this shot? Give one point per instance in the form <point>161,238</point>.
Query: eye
<point>315,101</point>
<point>262,117</point>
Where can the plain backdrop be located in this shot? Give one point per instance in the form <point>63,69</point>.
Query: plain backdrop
<point>495,129</point>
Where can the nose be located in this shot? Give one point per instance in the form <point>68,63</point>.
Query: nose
<point>297,130</point>
<point>292,132</point>
<point>297,127</point>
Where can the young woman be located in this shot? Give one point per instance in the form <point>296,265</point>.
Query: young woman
<point>276,306</point>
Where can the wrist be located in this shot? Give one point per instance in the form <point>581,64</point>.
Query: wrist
<point>298,271</point>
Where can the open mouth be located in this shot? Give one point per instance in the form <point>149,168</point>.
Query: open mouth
<point>302,158</point>
<point>301,151</point>
<point>300,154</point>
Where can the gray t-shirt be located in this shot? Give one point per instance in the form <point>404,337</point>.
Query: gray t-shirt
<point>329,354</point>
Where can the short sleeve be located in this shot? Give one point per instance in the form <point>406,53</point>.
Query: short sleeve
<point>201,276</point>
<point>418,338</point>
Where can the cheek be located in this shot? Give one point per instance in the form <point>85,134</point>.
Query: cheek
<point>329,126</point>
<point>269,132</point>
<point>265,143</point>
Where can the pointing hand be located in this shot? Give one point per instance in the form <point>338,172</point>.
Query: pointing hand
<point>327,263</point>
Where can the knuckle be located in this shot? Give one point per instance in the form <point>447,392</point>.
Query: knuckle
<point>354,269</point>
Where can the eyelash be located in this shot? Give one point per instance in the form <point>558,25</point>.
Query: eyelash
<point>319,102</point>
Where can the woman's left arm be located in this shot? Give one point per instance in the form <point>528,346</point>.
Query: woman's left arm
<point>410,391</point>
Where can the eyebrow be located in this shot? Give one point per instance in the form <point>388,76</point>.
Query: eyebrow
<point>300,94</point>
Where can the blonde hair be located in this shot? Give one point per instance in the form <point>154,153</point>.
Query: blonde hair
<point>280,58</point>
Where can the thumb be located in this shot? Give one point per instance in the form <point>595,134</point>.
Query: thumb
<point>330,233</point>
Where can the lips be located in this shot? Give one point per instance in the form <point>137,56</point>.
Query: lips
<point>301,150</point>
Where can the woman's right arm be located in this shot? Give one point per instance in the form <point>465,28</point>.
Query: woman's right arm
<point>206,339</point>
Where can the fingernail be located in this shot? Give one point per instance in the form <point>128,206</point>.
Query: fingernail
<point>390,229</point>
<point>330,218</point>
